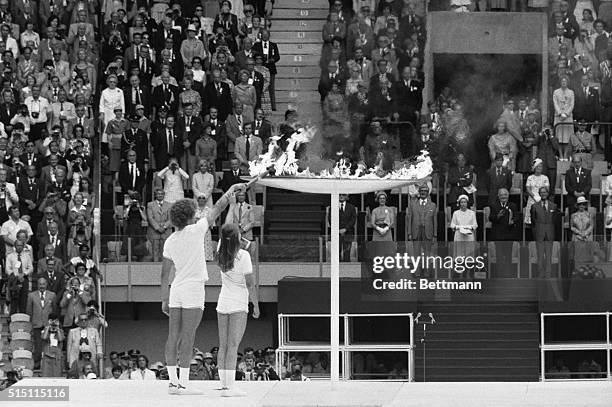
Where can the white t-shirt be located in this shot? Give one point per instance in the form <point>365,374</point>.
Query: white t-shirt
<point>234,286</point>
<point>186,249</point>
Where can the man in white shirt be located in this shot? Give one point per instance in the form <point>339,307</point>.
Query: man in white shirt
<point>12,226</point>
<point>18,261</point>
<point>9,42</point>
<point>38,107</point>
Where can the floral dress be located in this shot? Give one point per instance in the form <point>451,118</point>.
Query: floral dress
<point>266,104</point>
<point>208,246</point>
<point>533,185</point>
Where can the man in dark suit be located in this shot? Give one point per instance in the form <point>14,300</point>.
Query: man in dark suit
<point>497,177</point>
<point>543,218</point>
<point>86,122</point>
<point>8,109</point>
<point>164,32</point>
<point>31,156</point>
<point>50,216</point>
<point>166,95</point>
<point>548,147</point>
<point>242,56</point>
<point>191,127</point>
<point>115,24</point>
<point>146,67</point>
<point>232,176</point>
<point>348,219</point>
<point>166,143</point>
<point>262,127</point>
<point>408,96</point>
<point>41,303</point>
<point>586,101</point>
<point>136,94</point>
<point>29,191</point>
<point>217,94</point>
<point>577,183</point>
<point>56,240</point>
<point>328,78</point>
<point>131,176</point>
<point>256,79</point>
<point>218,133</point>
<point>422,222</point>
<point>51,269</point>
<point>269,51</point>
<point>504,218</point>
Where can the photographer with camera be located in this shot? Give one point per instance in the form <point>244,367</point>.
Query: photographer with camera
<point>548,149</point>
<point>52,363</point>
<point>95,319</point>
<point>38,107</point>
<point>83,338</point>
<point>134,224</point>
<point>74,303</point>
<point>173,177</point>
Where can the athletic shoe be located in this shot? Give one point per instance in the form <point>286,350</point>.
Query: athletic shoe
<point>233,392</point>
<point>180,390</point>
<point>222,388</point>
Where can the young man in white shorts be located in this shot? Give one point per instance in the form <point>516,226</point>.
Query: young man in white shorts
<point>183,300</point>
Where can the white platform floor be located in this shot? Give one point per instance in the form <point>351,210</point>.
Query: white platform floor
<point>318,393</point>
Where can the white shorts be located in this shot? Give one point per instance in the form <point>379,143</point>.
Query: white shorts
<point>231,306</point>
<point>187,296</point>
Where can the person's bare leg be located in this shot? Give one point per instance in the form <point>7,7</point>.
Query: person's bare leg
<point>190,320</point>
<point>237,326</point>
<point>174,328</point>
<point>223,323</point>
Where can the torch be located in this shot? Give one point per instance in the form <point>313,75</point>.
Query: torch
<point>268,171</point>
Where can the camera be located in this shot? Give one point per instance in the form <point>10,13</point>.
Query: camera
<point>174,166</point>
<point>35,115</point>
<point>54,325</point>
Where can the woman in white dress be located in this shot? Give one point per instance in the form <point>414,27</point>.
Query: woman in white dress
<point>203,182</point>
<point>111,98</point>
<point>201,212</point>
<point>173,177</point>
<point>464,224</point>
<point>233,305</point>
<point>579,12</point>
<point>563,99</point>
<point>534,182</point>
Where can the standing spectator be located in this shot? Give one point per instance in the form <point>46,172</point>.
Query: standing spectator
<point>18,261</point>
<point>503,142</point>
<point>248,147</point>
<point>460,180</point>
<point>206,146</point>
<point>543,217</point>
<point>166,142</point>
<point>422,221</point>
<point>52,364</point>
<point>563,99</point>
<point>232,176</point>
<point>348,219</point>
<point>241,214</point>
<point>203,183</point>
<point>113,134</point>
<point>548,148</point>
<point>8,196</point>
<point>38,108</point>
<point>173,177</point>
<point>408,96</point>
<point>95,319</point>
<point>581,143</point>
<point>190,126</point>
<point>134,222</point>
<point>142,371</point>
<point>463,222</point>
<point>234,128</point>
<point>504,222</point>
<point>497,177</point>
<point>41,304</point>
<point>12,226</point>
<point>534,183</point>
<point>54,239</point>
<point>271,56</point>
<point>244,93</point>
<point>160,227</point>
<point>73,304</point>
<point>137,140</point>
<point>577,183</point>
<point>217,94</point>
<point>18,283</point>
<point>381,219</point>
<point>29,191</point>
<point>83,336</point>
<point>49,268</point>
<point>131,175</point>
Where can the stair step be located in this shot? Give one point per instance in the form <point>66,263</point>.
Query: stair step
<point>300,4</point>
<point>484,318</point>
<point>310,84</point>
<point>301,60</point>
<point>277,199</point>
<point>278,227</point>
<point>306,37</point>
<point>478,343</point>
<point>296,25</point>
<point>306,13</point>
<point>473,377</point>
<point>491,325</point>
<point>298,97</point>
<point>295,216</point>
<point>504,353</point>
<point>463,335</point>
<point>300,49</point>
<point>299,71</point>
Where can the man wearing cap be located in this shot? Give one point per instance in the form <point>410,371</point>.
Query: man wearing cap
<point>582,145</point>
<point>137,94</point>
<point>497,177</point>
<point>578,183</point>
<point>136,139</point>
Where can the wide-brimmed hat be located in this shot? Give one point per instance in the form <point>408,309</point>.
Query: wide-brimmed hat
<point>581,201</point>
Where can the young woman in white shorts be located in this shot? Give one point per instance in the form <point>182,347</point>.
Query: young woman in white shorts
<point>183,300</point>
<point>233,305</point>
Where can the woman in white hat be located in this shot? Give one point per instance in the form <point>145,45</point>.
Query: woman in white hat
<point>464,224</point>
<point>534,182</point>
<point>381,219</point>
<point>581,223</point>
<point>192,47</point>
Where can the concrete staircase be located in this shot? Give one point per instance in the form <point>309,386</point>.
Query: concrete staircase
<point>296,28</point>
